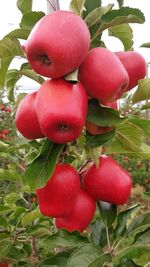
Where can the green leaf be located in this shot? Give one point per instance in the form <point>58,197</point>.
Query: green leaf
<point>76,6</point>
<point>59,260</point>
<point>124,33</point>
<point>24,5</point>
<point>130,135</point>
<point>42,167</point>
<point>117,147</point>
<point>11,78</point>
<point>142,92</point>
<point>143,237</point>
<point>19,34</point>
<point>98,235</point>
<point>4,64</point>
<point>38,231</point>
<point>32,75</point>
<point>98,140</point>
<point>132,252</point>
<point>9,175</point>
<point>123,219</point>
<point>5,209</point>
<point>9,48</point>
<point>29,19</point>
<point>142,220</point>
<point>143,124</point>
<point>64,239</point>
<point>146,45</point>
<point>127,263</point>
<point>95,15</point>
<point>11,198</point>
<point>90,6</point>
<point>117,17</point>
<point>88,255</point>
<point>146,106</point>
<point>3,222</point>
<point>30,217</point>
<point>5,245</point>
<point>102,116</point>
<point>146,195</point>
<point>108,212</point>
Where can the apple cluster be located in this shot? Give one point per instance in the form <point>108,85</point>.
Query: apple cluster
<point>57,45</point>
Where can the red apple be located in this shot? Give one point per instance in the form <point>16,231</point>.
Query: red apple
<point>81,214</point>
<point>5,131</point>
<point>108,182</point>
<point>61,109</point>
<point>135,65</point>
<point>56,198</point>
<point>57,44</point>
<point>26,118</point>
<point>103,75</point>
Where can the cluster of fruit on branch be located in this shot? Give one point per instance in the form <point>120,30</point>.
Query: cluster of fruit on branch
<point>4,133</point>
<point>57,45</point>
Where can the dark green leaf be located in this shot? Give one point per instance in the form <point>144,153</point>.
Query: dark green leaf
<point>65,239</point>
<point>122,219</point>
<point>102,116</point>
<point>85,256</point>
<point>24,5</point>
<point>10,48</point>
<point>5,245</point>
<point>98,235</point>
<point>5,209</point>
<point>108,212</point>
<point>59,260</point>
<point>98,140</point>
<point>124,33</point>
<point>90,6</point>
<point>38,231</point>
<point>15,253</point>
<point>4,64</point>
<point>117,17</point>
<point>41,169</point>
<point>77,6</point>
<point>29,19</point>
<point>143,237</point>
<point>142,92</point>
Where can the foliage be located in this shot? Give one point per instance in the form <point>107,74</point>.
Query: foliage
<point>114,238</point>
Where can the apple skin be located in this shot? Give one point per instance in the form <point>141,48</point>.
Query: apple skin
<point>109,182</point>
<point>102,75</point>
<point>81,214</point>
<point>61,109</point>
<point>135,66</point>
<point>57,44</point>
<point>56,198</point>
<point>4,264</point>
<point>26,118</point>
<point>94,129</point>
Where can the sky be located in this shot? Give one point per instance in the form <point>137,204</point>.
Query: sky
<point>10,17</point>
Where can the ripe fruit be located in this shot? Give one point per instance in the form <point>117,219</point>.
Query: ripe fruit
<point>81,214</point>
<point>102,75</point>
<point>26,118</point>
<point>4,264</point>
<point>1,136</point>
<point>56,198</point>
<point>5,131</point>
<point>94,129</point>
<point>57,44</point>
<point>109,182</point>
<point>61,108</point>
<point>135,65</point>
